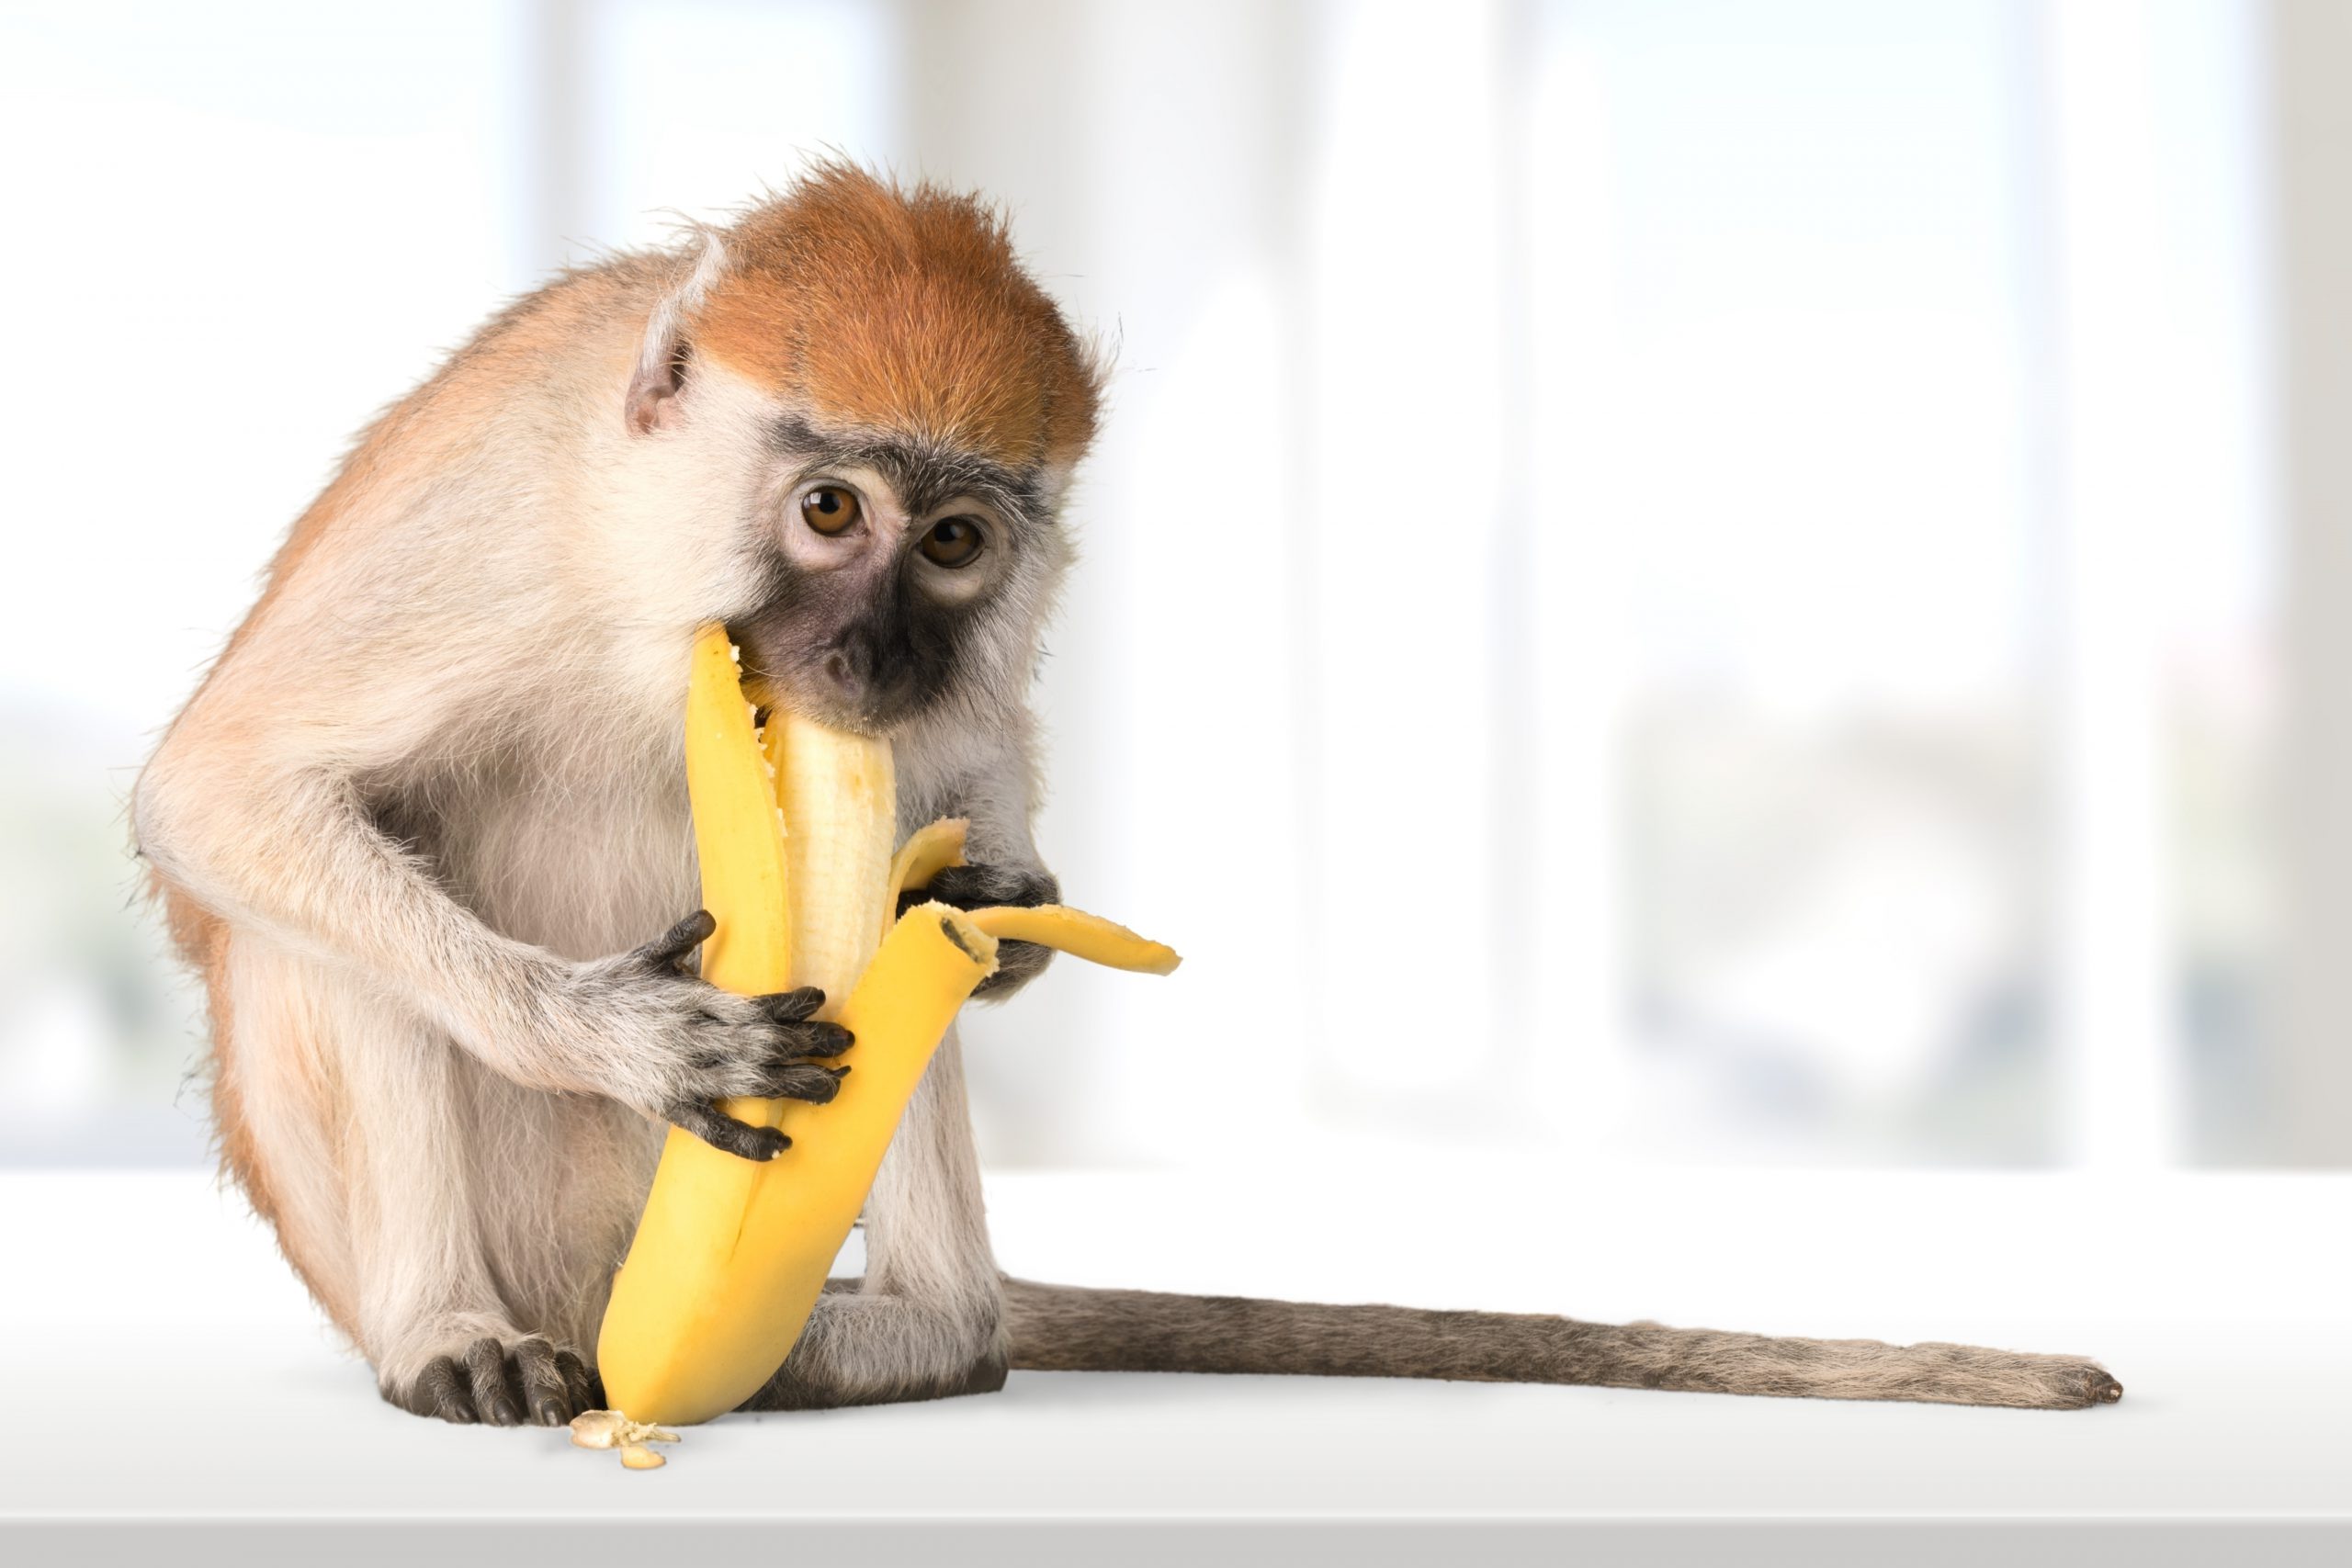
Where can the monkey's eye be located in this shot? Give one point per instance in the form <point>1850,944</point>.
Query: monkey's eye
<point>953,542</point>
<point>829,509</point>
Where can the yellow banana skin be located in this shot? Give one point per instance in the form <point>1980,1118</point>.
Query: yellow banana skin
<point>741,844</point>
<point>724,1271</point>
<point>729,1254</point>
<point>1081,935</point>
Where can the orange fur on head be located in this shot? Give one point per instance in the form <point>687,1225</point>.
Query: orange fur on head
<point>901,310</point>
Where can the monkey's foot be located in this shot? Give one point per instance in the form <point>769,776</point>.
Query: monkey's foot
<point>503,1385</point>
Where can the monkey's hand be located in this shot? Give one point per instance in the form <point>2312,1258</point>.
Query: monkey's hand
<point>985,887</point>
<point>665,1042</point>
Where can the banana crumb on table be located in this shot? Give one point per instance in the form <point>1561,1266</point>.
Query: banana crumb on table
<point>611,1429</point>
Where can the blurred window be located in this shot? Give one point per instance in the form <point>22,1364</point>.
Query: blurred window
<point>1664,580</point>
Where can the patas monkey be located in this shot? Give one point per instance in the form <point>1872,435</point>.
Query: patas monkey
<point>420,820</point>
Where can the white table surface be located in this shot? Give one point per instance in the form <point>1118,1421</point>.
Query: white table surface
<point>169,1389</point>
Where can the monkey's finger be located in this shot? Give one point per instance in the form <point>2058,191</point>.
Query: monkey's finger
<point>546,1394</point>
<point>979,887</point>
<point>486,1370</point>
<point>671,949</point>
<point>1016,961</point>
<point>957,884</point>
<point>791,1006</point>
<point>576,1381</point>
<point>722,1131</point>
<point>804,1080</point>
<point>1022,957</point>
<point>817,1040</point>
<point>440,1391</point>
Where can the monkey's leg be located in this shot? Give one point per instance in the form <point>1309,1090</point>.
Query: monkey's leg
<point>926,1320</point>
<point>438,1320</point>
<point>1064,1328</point>
<point>350,1121</point>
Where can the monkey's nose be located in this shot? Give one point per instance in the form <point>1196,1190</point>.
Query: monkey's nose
<point>849,670</point>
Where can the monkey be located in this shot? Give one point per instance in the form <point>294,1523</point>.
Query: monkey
<point>421,830</point>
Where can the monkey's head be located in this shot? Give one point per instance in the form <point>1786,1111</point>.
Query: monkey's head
<point>895,407</point>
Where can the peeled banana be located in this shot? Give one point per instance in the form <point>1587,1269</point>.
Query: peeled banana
<point>794,829</point>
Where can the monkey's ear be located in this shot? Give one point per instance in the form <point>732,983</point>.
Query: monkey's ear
<point>661,373</point>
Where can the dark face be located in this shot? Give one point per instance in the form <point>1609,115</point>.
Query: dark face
<point>897,566</point>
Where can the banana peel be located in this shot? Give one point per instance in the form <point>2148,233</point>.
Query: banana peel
<point>793,828</point>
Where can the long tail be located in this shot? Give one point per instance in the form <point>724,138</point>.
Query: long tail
<point>1069,1328</point>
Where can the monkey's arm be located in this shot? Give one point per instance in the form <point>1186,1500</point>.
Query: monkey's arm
<point>259,806</point>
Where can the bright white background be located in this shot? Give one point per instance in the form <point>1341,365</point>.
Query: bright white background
<point>1667,581</point>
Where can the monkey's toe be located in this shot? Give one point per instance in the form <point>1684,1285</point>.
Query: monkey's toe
<point>441,1390</point>
<point>486,1367</point>
<point>547,1395</point>
<point>586,1389</point>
